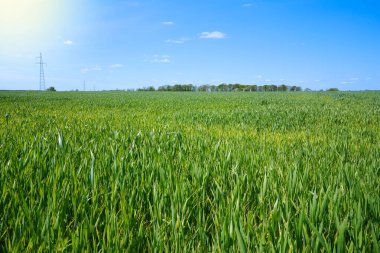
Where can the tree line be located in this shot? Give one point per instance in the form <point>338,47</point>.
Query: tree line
<point>222,87</point>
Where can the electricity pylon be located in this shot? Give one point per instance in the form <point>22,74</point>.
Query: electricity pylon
<point>42,74</point>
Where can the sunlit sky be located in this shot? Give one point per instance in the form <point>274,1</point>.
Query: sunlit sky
<point>117,44</point>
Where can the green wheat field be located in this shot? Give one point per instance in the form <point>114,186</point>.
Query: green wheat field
<point>189,172</point>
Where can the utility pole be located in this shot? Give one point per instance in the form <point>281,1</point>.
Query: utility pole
<point>42,74</point>
<point>84,85</point>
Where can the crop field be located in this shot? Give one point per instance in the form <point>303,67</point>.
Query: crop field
<point>182,172</point>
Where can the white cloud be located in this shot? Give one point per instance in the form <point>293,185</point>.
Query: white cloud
<point>167,23</point>
<point>163,59</point>
<point>212,35</point>
<point>89,69</point>
<point>178,41</point>
<point>68,42</point>
<point>350,80</point>
<point>247,5</point>
<point>259,76</point>
<point>117,65</point>
<point>157,58</point>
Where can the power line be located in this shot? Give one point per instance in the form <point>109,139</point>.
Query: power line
<point>42,74</point>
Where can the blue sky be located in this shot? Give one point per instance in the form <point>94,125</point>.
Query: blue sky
<point>119,44</point>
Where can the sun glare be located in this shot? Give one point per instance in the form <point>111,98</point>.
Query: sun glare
<point>25,23</point>
<point>23,17</point>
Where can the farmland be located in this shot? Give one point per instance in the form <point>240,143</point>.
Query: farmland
<point>180,172</point>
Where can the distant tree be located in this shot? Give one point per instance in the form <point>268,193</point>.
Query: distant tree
<point>177,87</point>
<point>51,88</point>
<point>295,88</point>
<point>251,88</point>
<point>150,88</point>
<point>272,87</point>
<point>204,88</point>
<point>282,87</point>
<point>332,89</point>
<point>237,87</point>
<point>223,87</point>
<point>212,88</point>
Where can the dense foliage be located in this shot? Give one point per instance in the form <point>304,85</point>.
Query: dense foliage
<point>224,87</point>
<point>51,88</point>
<point>177,172</point>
